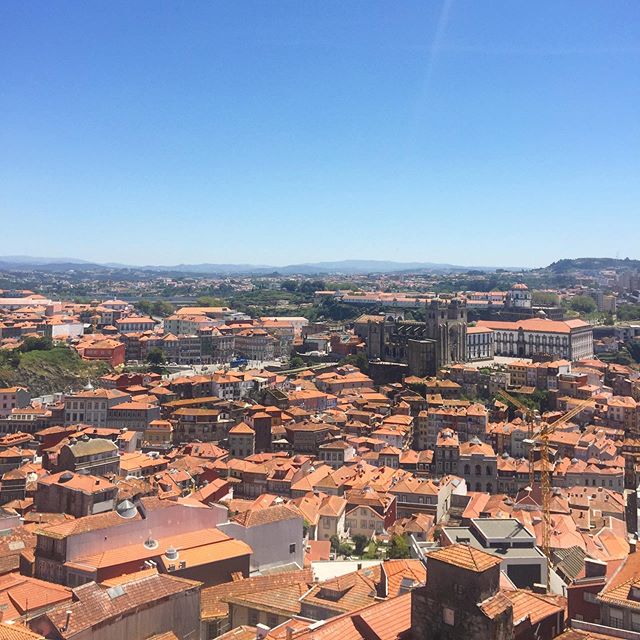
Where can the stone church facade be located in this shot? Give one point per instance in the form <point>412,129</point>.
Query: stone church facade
<point>424,346</point>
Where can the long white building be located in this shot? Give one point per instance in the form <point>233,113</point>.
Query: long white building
<point>562,339</point>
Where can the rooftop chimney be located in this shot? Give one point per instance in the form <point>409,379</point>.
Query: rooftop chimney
<point>67,620</point>
<point>261,631</point>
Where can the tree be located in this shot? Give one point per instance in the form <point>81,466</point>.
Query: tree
<point>306,525</point>
<point>209,301</point>
<point>337,311</point>
<point>296,362</point>
<point>289,285</point>
<point>311,286</point>
<point>583,304</point>
<point>335,543</point>
<point>544,299</point>
<point>36,344</point>
<point>628,312</point>
<point>399,548</point>
<point>359,360</point>
<point>633,347</point>
<point>143,306</point>
<point>156,360</point>
<point>162,308</point>
<point>360,542</point>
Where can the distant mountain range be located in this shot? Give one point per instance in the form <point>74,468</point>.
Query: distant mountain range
<point>348,267</point>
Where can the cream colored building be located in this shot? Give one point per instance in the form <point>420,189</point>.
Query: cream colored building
<point>567,339</point>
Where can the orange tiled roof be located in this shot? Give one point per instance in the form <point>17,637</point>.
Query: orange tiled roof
<point>275,513</point>
<point>17,632</point>
<point>214,599</point>
<point>387,620</point>
<point>466,557</point>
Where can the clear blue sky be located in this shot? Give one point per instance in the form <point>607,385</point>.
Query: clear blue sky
<point>475,132</point>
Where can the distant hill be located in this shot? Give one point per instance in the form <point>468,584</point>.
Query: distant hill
<point>372,266</point>
<point>592,264</point>
<point>22,260</point>
<point>348,267</point>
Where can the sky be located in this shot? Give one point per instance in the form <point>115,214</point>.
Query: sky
<point>278,132</point>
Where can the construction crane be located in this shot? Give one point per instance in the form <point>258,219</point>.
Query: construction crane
<point>530,416</point>
<point>541,437</point>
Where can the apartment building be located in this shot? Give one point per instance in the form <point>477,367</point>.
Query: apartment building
<point>92,406</point>
<point>13,398</point>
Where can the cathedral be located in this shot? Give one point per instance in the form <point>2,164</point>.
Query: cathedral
<point>424,346</point>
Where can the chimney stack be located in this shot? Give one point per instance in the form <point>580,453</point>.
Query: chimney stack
<point>261,631</point>
<point>67,619</point>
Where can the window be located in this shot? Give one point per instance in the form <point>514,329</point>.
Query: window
<point>616,618</point>
<point>459,589</point>
<point>589,597</point>
<point>292,548</point>
<point>448,616</point>
<point>253,617</point>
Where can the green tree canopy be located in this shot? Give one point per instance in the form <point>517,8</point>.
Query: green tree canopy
<point>210,301</point>
<point>544,299</point>
<point>143,306</point>
<point>399,548</point>
<point>360,542</point>
<point>628,312</point>
<point>358,360</point>
<point>583,304</point>
<point>296,362</point>
<point>36,344</point>
<point>162,308</point>
<point>156,359</point>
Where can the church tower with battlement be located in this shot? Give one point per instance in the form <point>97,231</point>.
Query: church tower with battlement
<point>447,325</point>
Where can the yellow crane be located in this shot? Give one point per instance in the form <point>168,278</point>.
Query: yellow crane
<point>530,417</point>
<point>542,437</point>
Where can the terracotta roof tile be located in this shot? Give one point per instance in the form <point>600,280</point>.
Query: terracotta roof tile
<point>17,632</point>
<point>466,557</point>
<point>95,605</point>
<point>214,599</point>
